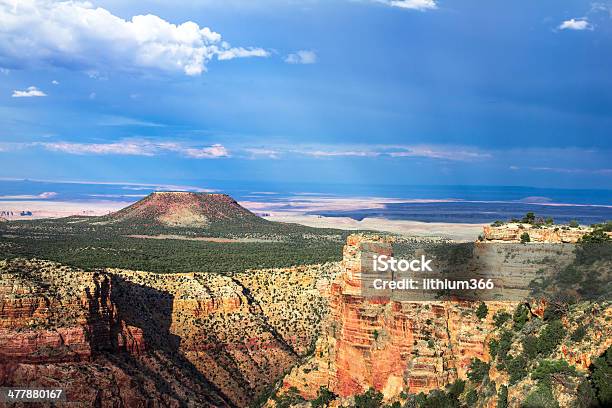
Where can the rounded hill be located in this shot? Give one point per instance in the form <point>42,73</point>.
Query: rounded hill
<point>185,209</point>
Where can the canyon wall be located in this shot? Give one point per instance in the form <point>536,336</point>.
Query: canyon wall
<point>59,315</point>
<point>400,347</point>
<point>392,346</point>
<point>61,328</point>
<point>197,338</point>
<point>241,332</point>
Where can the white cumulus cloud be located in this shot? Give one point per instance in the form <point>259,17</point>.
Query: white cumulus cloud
<point>212,152</point>
<point>575,24</point>
<point>302,57</point>
<point>240,52</point>
<point>421,5</point>
<point>32,91</point>
<point>76,34</point>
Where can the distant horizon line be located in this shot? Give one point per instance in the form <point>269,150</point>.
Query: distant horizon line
<point>371,199</point>
<point>179,186</point>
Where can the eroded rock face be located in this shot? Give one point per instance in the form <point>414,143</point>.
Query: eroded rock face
<point>400,346</point>
<point>56,316</point>
<point>190,338</point>
<point>512,233</point>
<point>395,345</point>
<point>60,328</point>
<point>390,345</point>
<point>242,332</point>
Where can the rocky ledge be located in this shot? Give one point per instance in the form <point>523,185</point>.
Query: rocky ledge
<point>512,232</point>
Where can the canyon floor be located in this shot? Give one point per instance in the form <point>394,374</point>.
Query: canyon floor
<point>455,231</point>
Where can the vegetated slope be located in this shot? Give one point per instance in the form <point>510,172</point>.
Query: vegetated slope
<point>185,209</point>
<point>179,221</point>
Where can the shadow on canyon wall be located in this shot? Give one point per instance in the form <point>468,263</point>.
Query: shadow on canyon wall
<point>151,311</point>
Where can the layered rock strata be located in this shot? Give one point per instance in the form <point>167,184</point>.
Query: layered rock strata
<point>512,232</point>
<point>207,338</point>
<point>397,346</point>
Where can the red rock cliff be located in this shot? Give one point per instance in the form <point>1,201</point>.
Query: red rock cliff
<point>390,345</point>
<point>63,318</point>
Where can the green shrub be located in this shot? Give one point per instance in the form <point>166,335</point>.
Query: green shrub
<point>550,337</point>
<point>324,398</point>
<point>455,389</point>
<point>438,399</point>
<point>585,395</point>
<point>579,333</point>
<point>530,346</point>
<point>471,398</point>
<point>601,372</point>
<point>574,224</point>
<point>552,313</point>
<point>547,368</point>
<point>493,347</point>
<point>525,238</point>
<point>520,317</point>
<point>596,236</point>
<point>291,397</point>
<point>502,397</point>
<point>558,306</point>
<point>505,342</point>
<point>482,311</point>
<point>489,388</point>
<point>478,370</point>
<point>370,399</point>
<point>529,218</point>
<point>605,226</point>
<point>516,369</point>
<point>569,276</point>
<point>541,397</point>
<point>501,317</point>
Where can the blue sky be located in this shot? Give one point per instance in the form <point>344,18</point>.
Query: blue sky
<point>339,91</point>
